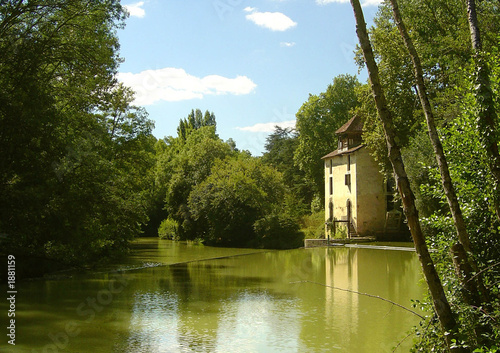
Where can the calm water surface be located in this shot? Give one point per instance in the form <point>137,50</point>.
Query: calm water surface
<point>175,297</point>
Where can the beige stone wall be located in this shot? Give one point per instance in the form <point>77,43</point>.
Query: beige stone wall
<point>371,195</point>
<point>341,192</point>
<point>366,192</point>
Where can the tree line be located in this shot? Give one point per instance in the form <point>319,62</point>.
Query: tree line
<point>208,190</point>
<point>81,173</point>
<point>74,151</point>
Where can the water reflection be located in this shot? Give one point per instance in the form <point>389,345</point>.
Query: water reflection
<point>151,314</point>
<point>388,274</point>
<point>253,303</point>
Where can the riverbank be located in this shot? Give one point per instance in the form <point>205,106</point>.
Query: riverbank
<point>313,243</point>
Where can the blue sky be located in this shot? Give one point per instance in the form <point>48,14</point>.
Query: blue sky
<point>251,62</point>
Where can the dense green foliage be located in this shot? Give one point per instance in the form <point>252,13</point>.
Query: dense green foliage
<point>317,121</point>
<point>233,202</point>
<point>194,121</point>
<point>440,32</point>
<point>73,148</point>
<point>469,168</point>
<point>281,147</point>
<point>168,229</point>
<point>441,36</point>
<point>189,165</point>
<point>219,195</point>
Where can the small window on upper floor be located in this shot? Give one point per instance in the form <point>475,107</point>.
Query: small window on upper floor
<point>343,144</point>
<point>348,180</point>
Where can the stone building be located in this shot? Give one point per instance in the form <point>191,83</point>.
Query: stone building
<point>358,201</point>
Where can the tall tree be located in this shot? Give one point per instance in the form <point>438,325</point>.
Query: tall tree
<point>73,147</point>
<point>195,120</point>
<point>440,32</point>
<point>317,121</point>
<point>280,150</point>
<point>189,166</point>
<point>487,114</point>
<point>447,183</point>
<point>463,250</point>
<point>441,304</point>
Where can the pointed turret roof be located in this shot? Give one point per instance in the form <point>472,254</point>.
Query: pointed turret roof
<point>353,126</point>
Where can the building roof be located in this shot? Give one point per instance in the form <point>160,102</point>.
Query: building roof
<point>339,153</point>
<point>353,126</point>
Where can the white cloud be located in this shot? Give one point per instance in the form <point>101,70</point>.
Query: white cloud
<point>371,2</point>
<point>275,21</point>
<point>287,44</point>
<point>136,9</point>
<point>268,127</point>
<point>173,84</point>
<point>364,3</point>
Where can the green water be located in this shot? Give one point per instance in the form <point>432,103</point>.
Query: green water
<point>173,297</point>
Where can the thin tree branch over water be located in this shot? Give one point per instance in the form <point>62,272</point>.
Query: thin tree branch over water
<point>365,294</point>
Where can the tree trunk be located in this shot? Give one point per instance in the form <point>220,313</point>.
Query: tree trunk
<point>487,119</point>
<point>465,273</point>
<point>441,305</point>
<point>446,181</point>
<point>475,34</point>
<point>470,290</point>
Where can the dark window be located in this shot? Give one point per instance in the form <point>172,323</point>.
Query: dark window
<point>331,186</point>
<point>343,143</point>
<point>348,179</point>
<point>348,163</point>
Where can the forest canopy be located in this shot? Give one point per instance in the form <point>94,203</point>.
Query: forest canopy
<point>81,174</point>
<point>74,149</point>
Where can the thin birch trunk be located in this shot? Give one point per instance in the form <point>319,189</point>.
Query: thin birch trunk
<point>440,302</point>
<point>446,181</point>
<point>449,189</point>
<point>487,120</point>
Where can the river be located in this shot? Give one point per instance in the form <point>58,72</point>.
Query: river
<point>177,297</point>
